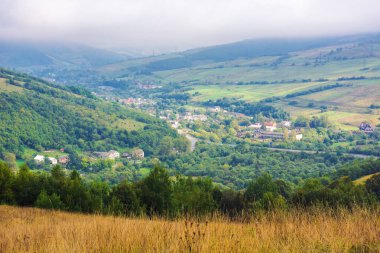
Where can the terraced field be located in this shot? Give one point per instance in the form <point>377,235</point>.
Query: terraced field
<point>5,87</point>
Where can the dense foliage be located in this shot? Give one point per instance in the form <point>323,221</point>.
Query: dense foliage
<point>43,116</point>
<point>159,194</point>
<point>235,166</point>
<point>249,109</point>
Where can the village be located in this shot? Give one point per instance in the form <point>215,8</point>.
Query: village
<point>184,120</point>
<point>135,155</point>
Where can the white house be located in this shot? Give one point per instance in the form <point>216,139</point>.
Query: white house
<point>299,137</point>
<point>113,154</point>
<point>216,109</point>
<point>270,126</point>
<point>286,123</point>
<point>255,126</point>
<point>52,160</point>
<point>39,158</point>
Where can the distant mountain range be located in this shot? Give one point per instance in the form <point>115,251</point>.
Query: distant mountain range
<point>54,60</point>
<point>38,55</point>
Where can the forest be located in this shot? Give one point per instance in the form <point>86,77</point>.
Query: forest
<point>46,116</point>
<point>158,194</point>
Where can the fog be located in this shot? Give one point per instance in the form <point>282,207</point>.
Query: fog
<point>167,25</point>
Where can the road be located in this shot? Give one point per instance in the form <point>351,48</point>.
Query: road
<point>192,139</point>
<point>320,152</point>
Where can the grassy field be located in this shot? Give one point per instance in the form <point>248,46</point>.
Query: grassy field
<point>252,93</point>
<point>34,230</point>
<point>364,179</point>
<point>5,87</point>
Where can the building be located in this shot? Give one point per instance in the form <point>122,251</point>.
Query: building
<point>366,128</point>
<point>39,159</point>
<point>271,135</point>
<point>52,160</point>
<point>286,123</point>
<point>63,159</point>
<point>256,126</point>
<point>138,153</point>
<point>216,109</point>
<point>175,124</point>
<point>126,155</point>
<point>299,137</point>
<point>270,126</point>
<point>112,154</point>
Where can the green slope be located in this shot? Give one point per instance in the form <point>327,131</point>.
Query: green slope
<point>35,114</point>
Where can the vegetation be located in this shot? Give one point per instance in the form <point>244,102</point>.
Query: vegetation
<point>160,195</point>
<point>45,116</point>
<point>36,230</point>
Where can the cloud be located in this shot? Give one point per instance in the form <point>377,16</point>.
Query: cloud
<point>179,24</point>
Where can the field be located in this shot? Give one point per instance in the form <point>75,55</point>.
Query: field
<point>5,87</point>
<point>34,230</point>
<point>294,72</point>
<point>362,180</point>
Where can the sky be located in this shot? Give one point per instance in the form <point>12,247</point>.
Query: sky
<point>171,25</point>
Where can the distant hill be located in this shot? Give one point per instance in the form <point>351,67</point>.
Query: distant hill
<point>28,55</point>
<point>38,115</point>
<point>247,49</point>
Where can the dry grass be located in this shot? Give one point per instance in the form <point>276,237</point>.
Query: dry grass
<point>33,230</point>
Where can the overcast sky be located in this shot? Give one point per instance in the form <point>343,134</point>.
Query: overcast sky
<point>180,24</point>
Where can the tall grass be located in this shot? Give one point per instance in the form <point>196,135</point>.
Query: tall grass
<point>35,230</point>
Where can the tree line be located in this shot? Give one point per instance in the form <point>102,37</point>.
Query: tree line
<point>159,194</point>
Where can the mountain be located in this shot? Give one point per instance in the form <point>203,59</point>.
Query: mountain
<point>15,54</point>
<point>248,49</point>
<point>38,115</point>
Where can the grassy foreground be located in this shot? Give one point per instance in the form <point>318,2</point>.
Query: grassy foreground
<point>34,230</point>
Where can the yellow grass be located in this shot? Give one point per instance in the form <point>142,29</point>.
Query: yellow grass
<point>364,179</point>
<point>5,87</point>
<point>33,230</point>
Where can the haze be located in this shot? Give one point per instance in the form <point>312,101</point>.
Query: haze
<point>167,25</point>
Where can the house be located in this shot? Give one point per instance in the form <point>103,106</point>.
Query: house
<point>52,160</point>
<point>63,159</point>
<point>255,126</point>
<point>286,123</point>
<point>366,128</point>
<point>39,159</point>
<point>126,155</point>
<point>138,153</point>
<point>200,117</point>
<point>112,154</point>
<point>270,126</point>
<point>175,124</point>
<point>299,136</point>
<point>216,109</point>
<point>271,135</point>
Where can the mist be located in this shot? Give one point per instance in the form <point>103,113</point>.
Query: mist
<point>169,25</point>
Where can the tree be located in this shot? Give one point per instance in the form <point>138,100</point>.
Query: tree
<point>10,159</point>
<point>47,201</point>
<point>127,196</point>
<point>301,121</point>
<point>26,187</point>
<point>373,185</point>
<point>256,189</point>
<point>155,191</point>
<point>6,182</point>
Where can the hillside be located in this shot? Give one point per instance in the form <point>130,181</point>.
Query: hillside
<point>61,62</point>
<point>36,230</point>
<point>288,70</point>
<point>38,115</point>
